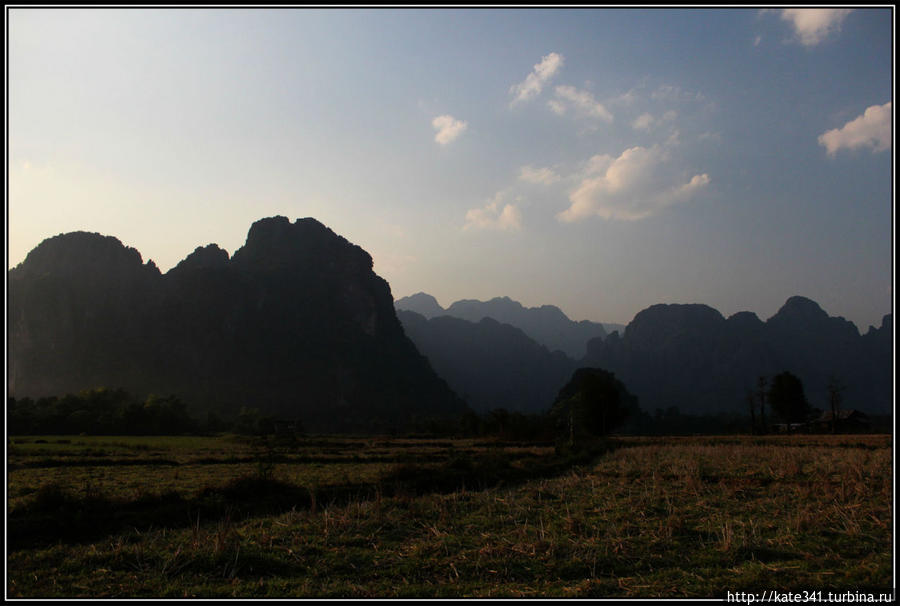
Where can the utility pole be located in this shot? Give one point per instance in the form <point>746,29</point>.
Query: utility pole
<point>835,387</point>
<point>572,426</point>
<point>751,402</point>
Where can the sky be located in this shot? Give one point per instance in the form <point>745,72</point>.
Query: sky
<point>599,160</point>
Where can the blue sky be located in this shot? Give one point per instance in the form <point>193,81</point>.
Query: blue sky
<point>599,160</point>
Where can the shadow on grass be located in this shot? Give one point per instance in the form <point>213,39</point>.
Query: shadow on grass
<point>489,470</point>
<point>57,515</point>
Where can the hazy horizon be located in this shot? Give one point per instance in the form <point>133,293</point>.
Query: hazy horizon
<point>598,160</point>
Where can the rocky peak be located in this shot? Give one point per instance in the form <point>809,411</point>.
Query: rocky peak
<point>420,303</point>
<point>277,244</point>
<point>204,257</point>
<point>659,325</point>
<point>297,321</point>
<point>552,313</point>
<point>546,324</point>
<point>82,252</point>
<point>804,316</point>
<point>745,319</point>
<point>884,334</point>
<point>887,325</point>
<point>744,324</point>
<point>799,308</point>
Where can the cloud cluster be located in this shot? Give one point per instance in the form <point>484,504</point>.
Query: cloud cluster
<point>581,101</point>
<point>813,25</point>
<point>494,216</point>
<point>638,183</point>
<point>646,121</point>
<point>872,129</point>
<point>448,128</point>
<point>541,176</point>
<point>643,122</point>
<point>539,76</point>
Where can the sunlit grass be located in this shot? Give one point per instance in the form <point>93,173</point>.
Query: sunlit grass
<point>654,518</point>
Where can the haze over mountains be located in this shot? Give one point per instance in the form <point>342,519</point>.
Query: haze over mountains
<point>546,324</point>
<point>298,325</point>
<point>489,364</point>
<point>683,355</point>
<point>692,357</point>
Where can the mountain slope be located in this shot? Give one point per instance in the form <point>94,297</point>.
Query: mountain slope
<point>547,324</point>
<point>492,365</point>
<point>295,323</point>
<point>691,357</point>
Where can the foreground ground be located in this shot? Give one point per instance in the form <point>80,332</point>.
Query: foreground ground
<point>368,517</point>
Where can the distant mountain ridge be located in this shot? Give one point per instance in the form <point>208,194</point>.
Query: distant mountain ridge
<point>547,325</point>
<point>295,323</point>
<point>690,356</point>
<point>687,356</point>
<point>421,303</point>
<point>489,364</point>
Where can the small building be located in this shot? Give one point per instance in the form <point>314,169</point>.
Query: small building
<point>791,427</point>
<point>848,421</point>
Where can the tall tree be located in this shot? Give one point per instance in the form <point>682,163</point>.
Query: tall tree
<point>592,403</point>
<point>787,400</point>
<point>835,391</point>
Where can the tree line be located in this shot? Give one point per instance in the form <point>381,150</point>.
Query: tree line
<point>100,411</point>
<point>787,402</point>
<point>594,402</point>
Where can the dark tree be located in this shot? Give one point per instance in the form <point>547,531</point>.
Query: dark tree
<point>787,399</point>
<point>592,403</point>
<point>835,391</point>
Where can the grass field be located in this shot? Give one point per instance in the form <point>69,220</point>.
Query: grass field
<point>385,517</point>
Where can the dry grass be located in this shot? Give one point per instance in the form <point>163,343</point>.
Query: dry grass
<point>692,517</point>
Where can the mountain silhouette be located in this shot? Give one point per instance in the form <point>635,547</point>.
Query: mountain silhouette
<point>421,303</point>
<point>690,356</point>
<point>547,324</point>
<point>295,323</point>
<point>491,365</point>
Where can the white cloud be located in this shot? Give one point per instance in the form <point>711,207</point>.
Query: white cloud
<point>685,191</point>
<point>637,184</point>
<point>642,122</point>
<point>583,102</point>
<point>598,164</point>
<point>534,83</point>
<point>543,176</point>
<point>557,107</point>
<point>648,121</point>
<point>448,128</point>
<point>813,25</point>
<point>872,129</point>
<point>628,98</point>
<point>495,215</point>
